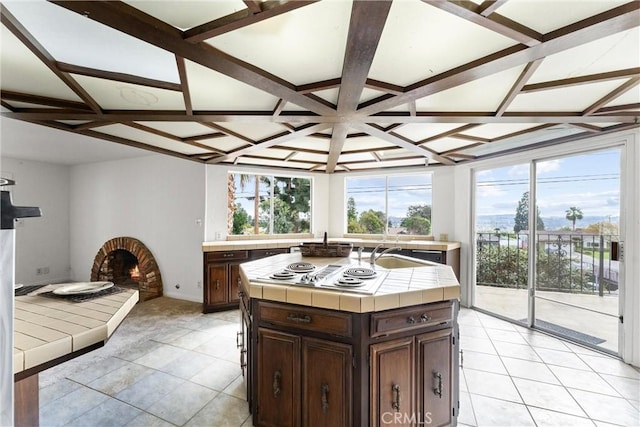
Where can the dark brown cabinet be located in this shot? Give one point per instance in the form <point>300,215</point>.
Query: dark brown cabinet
<point>392,389</point>
<point>222,279</point>
<point>435,367</point>
<point>320,367</point>
<point>278,386</point>
<point>326,383</point>
<point>222,276</point>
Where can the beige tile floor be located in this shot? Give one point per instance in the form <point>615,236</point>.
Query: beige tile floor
<point>170,365</point>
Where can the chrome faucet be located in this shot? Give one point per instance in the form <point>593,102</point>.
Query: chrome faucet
<point>360,249</point>
<point>373,258</point>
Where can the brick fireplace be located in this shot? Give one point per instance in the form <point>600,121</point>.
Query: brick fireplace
<point>127,262</point>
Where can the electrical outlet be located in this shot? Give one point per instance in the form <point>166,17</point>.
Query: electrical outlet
<point>38,271</point>
<point>199,284</point>
<point>45,270</point>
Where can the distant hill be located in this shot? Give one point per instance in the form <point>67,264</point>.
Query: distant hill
<point>506,222</point>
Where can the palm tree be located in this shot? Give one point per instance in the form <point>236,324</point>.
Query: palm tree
<point>231,197</point>
<point>574,214</point>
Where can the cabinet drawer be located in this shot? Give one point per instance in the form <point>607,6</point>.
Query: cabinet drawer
<point>411,318</point>
<point>261,253</point>
<point>306,318</point>
<point>227,255</point>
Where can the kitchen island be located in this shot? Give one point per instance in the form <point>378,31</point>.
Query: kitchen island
<point>315,353</point>
<point>49,331</point>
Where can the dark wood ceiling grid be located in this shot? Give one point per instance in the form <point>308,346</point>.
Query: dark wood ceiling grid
<point>370,118</point>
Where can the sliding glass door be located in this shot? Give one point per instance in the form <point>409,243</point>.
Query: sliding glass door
<point>575,286</point>
<point>501,224</point>
<point>577,282</point>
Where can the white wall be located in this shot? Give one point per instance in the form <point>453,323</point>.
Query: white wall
<point>40,242</point>
<point>216,193</point>
<point>159,200</point>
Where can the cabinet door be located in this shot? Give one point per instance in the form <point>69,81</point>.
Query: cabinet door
<point>392,383</point>
<point>278,388</point>
<point>435,383</point>
<point>234,282</point>
<point>326,383</point>
<point>216,292</point>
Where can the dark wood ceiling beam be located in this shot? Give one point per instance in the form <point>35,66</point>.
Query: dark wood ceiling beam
<point>338,138</point>
<point>618,108</point>
<point>365,30</point>
<point>229,132</point>
<point>42,100</point>
<point>524,76</point>
<point>400,141</point>
<point>204,136</point>
<point>116,139</point>
<point>448,133</point>
<point>625,87</point>
<point>573,81</point>
<point>270,142</point>
<point>523,132</point>
<point>117,77</point>
<point>384,87</point>
<point>242,18</point>
<point>279,107</point>
<point>470,138</point>
<point>318,86</point>
<point>469,11</point>
<point>184,85</point>
<point>588,128</point>
<point>253,5</point>
<point>624,115</point>
<point>487,7</point>
<point>614,21</point>
<point>43,55</point>
<point>129,20</point>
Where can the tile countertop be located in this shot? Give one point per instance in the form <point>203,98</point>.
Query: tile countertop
<point>402,287</point>
<point>46,329</point>
<point>230,245</point>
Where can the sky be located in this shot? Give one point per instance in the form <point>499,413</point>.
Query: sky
<point>590,182</point>
<point>403,191</point>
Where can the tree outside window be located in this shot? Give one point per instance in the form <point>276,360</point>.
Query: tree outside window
<point>266,204</point>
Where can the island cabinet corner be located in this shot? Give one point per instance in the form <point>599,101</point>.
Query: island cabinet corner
<point>311,366</point>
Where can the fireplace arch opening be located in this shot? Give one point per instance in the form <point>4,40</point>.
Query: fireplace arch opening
<point>127,262</point>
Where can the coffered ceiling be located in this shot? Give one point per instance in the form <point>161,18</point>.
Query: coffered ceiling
<point>331,85</point>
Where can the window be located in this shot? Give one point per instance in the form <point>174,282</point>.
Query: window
<point>266,204</point>
<point>391,205</point>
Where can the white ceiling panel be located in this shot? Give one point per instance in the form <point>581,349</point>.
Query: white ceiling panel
<point>21,71</point>
<point>74,39</point>
<point>563,99</point>
<point>224,143</point>
<point>186,14</point>
<point>113,95</point>
<point>496,130</point>
<point>420,131</point>
<point>545,16</point>
<point>413,44</point>
<point>448,144</point>
<point>314,35</point>
<point>134,134</point>
<point>255,131</point>
<point>473,95</point>
<point>211,90</point>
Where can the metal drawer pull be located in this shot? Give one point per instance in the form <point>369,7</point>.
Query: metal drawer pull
<point>395,403</point>
<point>243,363</point>
<point>217,284</point>
<point>227,255</point>
<point>299,319</point>
<point>438,389</point>
<point>425,318</point>
<point>324,391</point>
<point>238,342</point>
<point>411,320</point>
<point>277,376</point>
